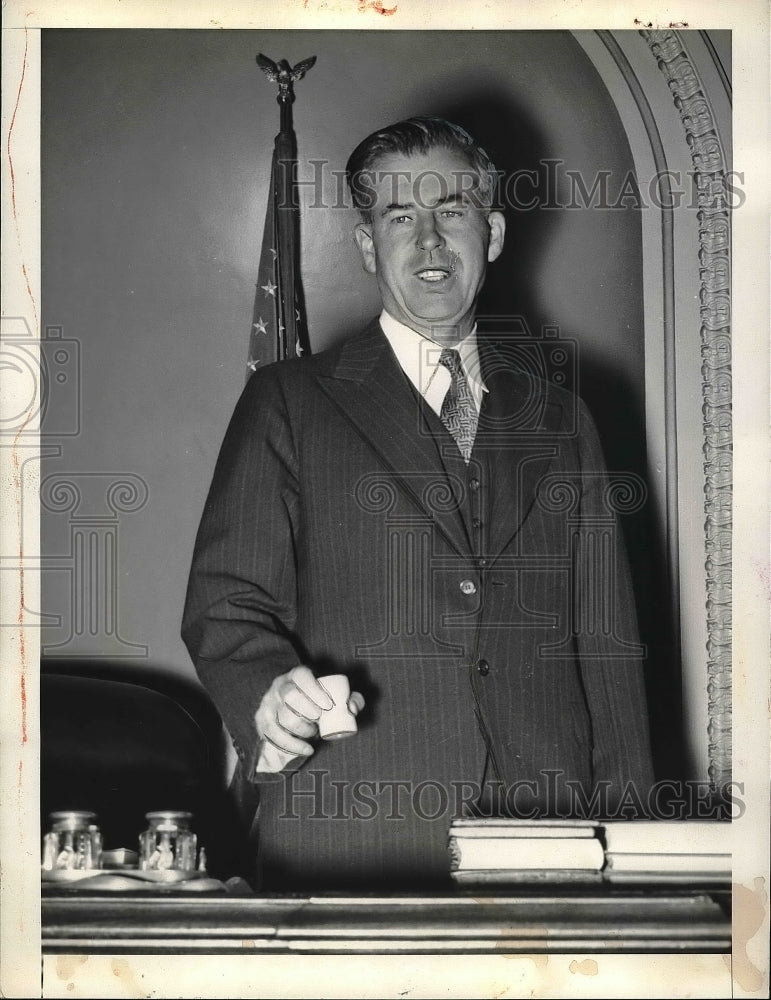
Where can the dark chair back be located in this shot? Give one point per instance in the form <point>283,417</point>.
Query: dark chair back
<point>124,741</point>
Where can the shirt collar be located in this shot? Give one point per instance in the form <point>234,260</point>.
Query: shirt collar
<point>418,356</point>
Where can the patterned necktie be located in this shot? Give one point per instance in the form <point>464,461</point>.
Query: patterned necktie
<point>459,413</point>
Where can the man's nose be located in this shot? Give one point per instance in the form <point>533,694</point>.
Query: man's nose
<point>429,237</point>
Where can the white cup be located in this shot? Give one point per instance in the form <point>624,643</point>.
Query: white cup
<point>338,722</point>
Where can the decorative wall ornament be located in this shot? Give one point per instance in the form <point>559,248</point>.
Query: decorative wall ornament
<point>713,215</point>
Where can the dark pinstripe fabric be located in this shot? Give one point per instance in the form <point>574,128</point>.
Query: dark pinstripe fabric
<point>340,525</point>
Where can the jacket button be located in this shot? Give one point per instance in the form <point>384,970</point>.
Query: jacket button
<point>477,522</point>
<point>483,667</point>
<point>468,587</point>
<point>473,484</point>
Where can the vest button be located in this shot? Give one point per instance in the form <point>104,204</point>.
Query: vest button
<point>468,587</point>
<point>483,667</point>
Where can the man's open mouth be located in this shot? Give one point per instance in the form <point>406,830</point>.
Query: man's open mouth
<point>433,274</point>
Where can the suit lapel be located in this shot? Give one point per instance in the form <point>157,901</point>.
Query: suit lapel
<point>517,432</point>
<point>369,388</point>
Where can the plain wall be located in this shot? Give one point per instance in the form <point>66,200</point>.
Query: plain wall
<point>156,153</point>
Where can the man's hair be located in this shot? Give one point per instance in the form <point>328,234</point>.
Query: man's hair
<point>416,136</point>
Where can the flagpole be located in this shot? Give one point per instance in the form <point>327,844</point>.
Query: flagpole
<point>287,213</point>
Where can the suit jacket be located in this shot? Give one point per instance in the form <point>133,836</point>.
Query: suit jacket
<point>485,611</point>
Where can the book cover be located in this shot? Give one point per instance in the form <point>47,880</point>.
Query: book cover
<point>520,853</point>
<point>668,837</point>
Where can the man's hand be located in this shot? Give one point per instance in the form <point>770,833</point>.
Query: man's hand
<point>288,717</point>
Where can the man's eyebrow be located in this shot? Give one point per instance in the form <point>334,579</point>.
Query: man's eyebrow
<point>396,207</point>
<point>454,198</point>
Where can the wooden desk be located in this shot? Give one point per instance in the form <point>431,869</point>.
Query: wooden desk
<point>572,919</point>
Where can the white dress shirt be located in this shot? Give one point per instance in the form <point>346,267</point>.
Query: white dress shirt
<point>419,360</point>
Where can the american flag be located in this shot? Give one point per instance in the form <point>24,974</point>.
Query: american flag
<point>278,321</point>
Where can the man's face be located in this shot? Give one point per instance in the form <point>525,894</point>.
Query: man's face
<point>429,241</point>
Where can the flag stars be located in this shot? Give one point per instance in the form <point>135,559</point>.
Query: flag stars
<point>274,252</point>
<point>252,363</point>
<point>260,326</point>
<point>270,288</point>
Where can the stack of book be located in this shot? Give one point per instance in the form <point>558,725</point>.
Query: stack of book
<point>689,852</point>
<point>511,850</point>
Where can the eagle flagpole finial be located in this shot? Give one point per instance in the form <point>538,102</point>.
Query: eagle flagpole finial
<point>284,75</point>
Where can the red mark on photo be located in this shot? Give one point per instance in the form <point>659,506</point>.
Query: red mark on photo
<point>23,709</point>
<point>377,5</point>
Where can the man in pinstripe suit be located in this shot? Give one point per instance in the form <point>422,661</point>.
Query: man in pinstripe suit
<point>414,509</point>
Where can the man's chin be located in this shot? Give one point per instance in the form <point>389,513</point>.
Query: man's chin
<point>433,310</point>
<point>445,330</point>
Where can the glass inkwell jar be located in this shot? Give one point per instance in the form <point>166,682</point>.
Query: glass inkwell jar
<point>168,843</point>
<point>74,842</point>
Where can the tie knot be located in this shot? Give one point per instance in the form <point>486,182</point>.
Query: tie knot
<point>450,358</point>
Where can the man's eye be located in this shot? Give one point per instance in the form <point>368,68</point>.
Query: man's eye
<point>452,213</point>
<point>401,218</point>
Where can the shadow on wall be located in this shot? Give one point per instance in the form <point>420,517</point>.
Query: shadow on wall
<point>516,143</point>
<point>621,425</point>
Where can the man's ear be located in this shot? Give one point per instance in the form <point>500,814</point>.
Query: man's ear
<point>497,223</point>
<point>362,233</point>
